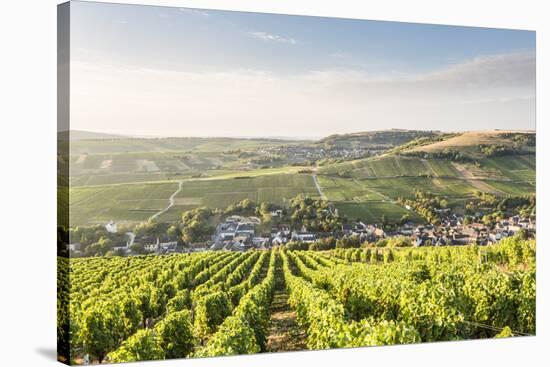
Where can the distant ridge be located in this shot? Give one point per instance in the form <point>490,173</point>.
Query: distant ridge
<point>468,140</point>
<point>90,135</point>
<point>377,138</point>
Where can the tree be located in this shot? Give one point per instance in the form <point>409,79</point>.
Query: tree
<point>195,225</point>
<point>99,248</point>
<point>399,242</point>
<point>264,213</point>
<point>173,232</point>
<point>348,242</point>
<point>138,248</point>
<point>321,244</point>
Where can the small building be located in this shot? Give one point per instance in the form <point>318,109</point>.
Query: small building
<point>279,239</point>
<point>260,241</point>
<point>111,227</point>
<point>74,247</point>
<point>243,228</point>
<point>306,237</point>
<point>347,227</point>
<point>284,228</point>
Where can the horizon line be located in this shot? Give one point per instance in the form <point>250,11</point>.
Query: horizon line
<point>283,137</point>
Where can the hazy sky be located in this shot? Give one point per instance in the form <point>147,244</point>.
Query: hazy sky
<point>162,71</point>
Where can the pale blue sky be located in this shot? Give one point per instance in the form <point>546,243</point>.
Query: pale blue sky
<point>204,72</point>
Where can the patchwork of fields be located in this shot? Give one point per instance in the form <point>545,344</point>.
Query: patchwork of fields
<point>220,193</point>
<point>105,169</point>
<point>130,202</point>
<point>514,168</point>
<point>136,202</point>
<point>146,145</point>
<point>393,166</point>
<point>369,194</point>
<point>368,188</point>
<point>132,179</point>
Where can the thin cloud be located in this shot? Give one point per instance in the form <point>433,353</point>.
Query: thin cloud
<point>341,55</point>
<point>264,36</point>
<point>482,93</point>
<point>513,69</point>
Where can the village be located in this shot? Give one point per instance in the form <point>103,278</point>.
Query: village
<point>310,153</point>
<point>238,233</point>
<point>243,233</point>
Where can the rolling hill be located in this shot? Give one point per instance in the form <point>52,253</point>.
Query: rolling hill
<point>130,179</point>
<point>470,141</point>
<point>382,140</point>
<point>91,135</point>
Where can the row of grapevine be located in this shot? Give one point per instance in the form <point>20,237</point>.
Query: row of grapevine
<point>132,298</point>
<point>193,315</point>
<point>325,320</point>
<point>217,303</point>
<point>172,337</point>
<point>245,331</point>
<point>512,251</point>
<point>212,301</point>
<point>445,294</point>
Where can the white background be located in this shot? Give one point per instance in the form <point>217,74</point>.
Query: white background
<point>28,166</point>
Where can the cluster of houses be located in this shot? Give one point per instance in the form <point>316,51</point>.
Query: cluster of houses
<point>453,231</point>
<point>314,152</point>
<point>168,247</point>
<point>238,233</point>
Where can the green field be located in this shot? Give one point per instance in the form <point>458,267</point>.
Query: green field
<point>276,188</point>
<point>131,202</point>
<point>514,188</point>
<point>372,211</point>
<point>442,168</point>
<point>369,199</point>
<point>341,189</point>
<point>392,166</point>
<point>105,169</point>
<point>136,202</point>
<point>352,186</point>
<point>132,179</point>
<point>515,168</point>
<point>135,145</point>
<point>406,186</point>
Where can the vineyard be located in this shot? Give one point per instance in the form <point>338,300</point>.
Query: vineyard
<point>221,303</point>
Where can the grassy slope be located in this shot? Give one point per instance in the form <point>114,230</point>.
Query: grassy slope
<point>468,141</point>
<point>394,176</point>
<point>392,166</point>
<point>136,202</point>
<point>132,202</point>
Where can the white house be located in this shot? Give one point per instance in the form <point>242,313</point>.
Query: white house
<point>111,227</point>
